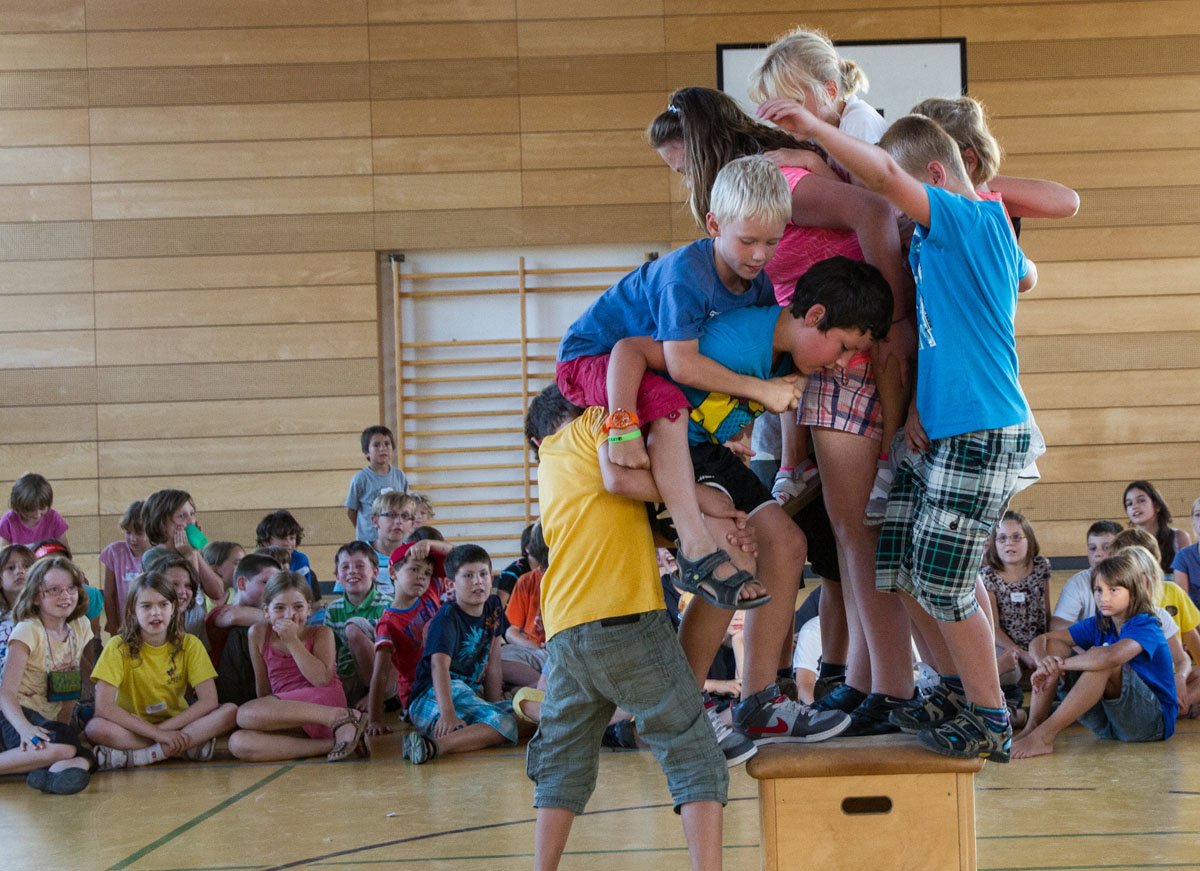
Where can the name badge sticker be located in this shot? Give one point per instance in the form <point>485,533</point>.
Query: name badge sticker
<point>156,708</point>
<point>1017,597</point>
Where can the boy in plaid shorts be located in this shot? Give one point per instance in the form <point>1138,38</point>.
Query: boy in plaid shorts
<point>970,435</point>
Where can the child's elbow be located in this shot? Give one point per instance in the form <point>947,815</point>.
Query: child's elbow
<point>1029,282</point>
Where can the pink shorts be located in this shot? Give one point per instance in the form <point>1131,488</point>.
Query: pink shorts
<point>332,696</point>
<point>845,400</point>
<point>584,381</point>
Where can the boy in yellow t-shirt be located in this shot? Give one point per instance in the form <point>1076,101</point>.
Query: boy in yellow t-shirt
<point>609,641</point>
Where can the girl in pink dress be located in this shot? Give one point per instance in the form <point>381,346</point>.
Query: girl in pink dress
<point>301,707</point>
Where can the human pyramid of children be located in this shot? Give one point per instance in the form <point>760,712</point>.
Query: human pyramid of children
<point>841,253</point>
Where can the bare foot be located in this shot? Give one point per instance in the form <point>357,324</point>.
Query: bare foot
<point>753,590</point>
<point>1028,746</point>
<point>630,455</point>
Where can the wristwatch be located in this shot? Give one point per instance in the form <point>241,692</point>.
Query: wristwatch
<point>620,419</point>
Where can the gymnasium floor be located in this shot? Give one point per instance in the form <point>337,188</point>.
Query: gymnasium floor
<point>1092,805</point>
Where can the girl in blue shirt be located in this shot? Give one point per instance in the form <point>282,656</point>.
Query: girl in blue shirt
<point>1122,685</point>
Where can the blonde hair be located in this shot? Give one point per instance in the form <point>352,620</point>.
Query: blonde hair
<point>805,59</point>
<point>914,141</point>
<point>1125,570</point>
<point>965,120</point>
<point>392,500</point>
<point>283,581</point>
<point>27,606</point>
<point>750,187</point>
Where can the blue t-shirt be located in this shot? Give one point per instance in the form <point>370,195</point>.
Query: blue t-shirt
<point>742,341</point>
<point>1188,562</point>
<point>1153,665</point>
<point>967,266</point>
<point>668,299</point>
<point>465,639</point>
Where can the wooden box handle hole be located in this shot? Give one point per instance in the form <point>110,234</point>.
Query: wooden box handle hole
<point>859,805</point>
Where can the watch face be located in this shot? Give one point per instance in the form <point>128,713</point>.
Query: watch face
<point>620,419</point>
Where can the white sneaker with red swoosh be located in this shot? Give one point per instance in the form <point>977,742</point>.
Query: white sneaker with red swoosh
<point>768,717</point>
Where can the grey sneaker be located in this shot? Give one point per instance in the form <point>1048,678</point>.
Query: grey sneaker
<point>736,746</point>
<point>418,749</point>
<point>771,718</point>
<point>110,758</point>
<point>201,752</point>
<point>878,500</point>
<point>940,705</point>
<point>968,736</point>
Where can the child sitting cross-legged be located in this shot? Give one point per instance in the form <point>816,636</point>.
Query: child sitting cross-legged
<point>524,656</point>
<point>400,632</point>
<point>298,687</point>
<point>456,701</point>
<point>228,628</point>
<point>353,616</point>
<point>1122,686</point>
<point>142,677</point>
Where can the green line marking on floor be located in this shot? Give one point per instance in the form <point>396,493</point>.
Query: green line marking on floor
<point>522,855</point>
<point>195,821</point>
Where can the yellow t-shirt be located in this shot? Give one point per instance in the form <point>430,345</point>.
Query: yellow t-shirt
<point>1182,610</point>
<point>601,550</point>
<point>152,687</point>
<point>62,655</point>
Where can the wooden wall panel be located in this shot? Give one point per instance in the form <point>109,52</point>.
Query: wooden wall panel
<point>192,195</point>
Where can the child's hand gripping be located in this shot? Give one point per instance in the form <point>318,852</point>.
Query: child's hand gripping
<point>445,725</point>
<point>629,454</point>
<point>1049,670</point>
<point>790,116</point>
<point>780,394</point>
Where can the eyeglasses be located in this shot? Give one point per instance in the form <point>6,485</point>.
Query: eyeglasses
<point>392,515</point>
<point>1015,538</point>
<point>56,592</point>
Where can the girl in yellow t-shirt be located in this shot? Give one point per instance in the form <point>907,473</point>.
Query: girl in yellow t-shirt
<point>142,714</point>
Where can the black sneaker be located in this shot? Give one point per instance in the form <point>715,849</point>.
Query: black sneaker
<point>844,698</point>
<point>787,687</point>
<point>620,736</point>
<point>825,685</point>
<point>940,705</point>
<point>871,717</point>
<point>968,736</point>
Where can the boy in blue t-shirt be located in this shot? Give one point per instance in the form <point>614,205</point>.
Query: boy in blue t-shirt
<point>378,476</point>
<point>971,433</point>
<point>670,300</point>
<point>456,695</point>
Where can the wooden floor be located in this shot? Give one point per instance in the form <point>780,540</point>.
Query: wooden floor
<point>1092,805</point>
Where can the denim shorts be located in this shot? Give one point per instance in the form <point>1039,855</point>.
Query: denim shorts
<point>471,709</point>
<point>639,667</point>
<point>1136,715</point>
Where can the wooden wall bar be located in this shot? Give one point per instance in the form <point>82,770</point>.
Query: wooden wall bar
<point>192,195</point>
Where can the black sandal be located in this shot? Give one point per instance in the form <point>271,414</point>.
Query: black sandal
<point>697,577</point>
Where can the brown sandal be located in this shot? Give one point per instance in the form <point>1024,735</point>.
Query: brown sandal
<point>343,749</point>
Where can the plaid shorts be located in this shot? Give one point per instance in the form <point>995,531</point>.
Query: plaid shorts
<point>845,400</point>
<point>942,507</point>
<point>423,711</point>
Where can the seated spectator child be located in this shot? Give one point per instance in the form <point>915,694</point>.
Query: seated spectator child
<point>524,656</point>
<point>1148,510</point>
<point>223,556</point>
<point>228,628</point>
<point>1186,564</point>
<point>15,560</point>
<point>281,529</point>
<point>506,580</point>
<point>609,644</point>
<point>456,703</point>
<point>422,509</point>
<point>377,477</point>
<point>1122,685</point>
<point>142,679</point>
<point>31,516</point>
<point>298,687</point>
<point>1167,594</point>
<point>94,597</point>
<point>43,673</point>
<point>179,572</point>
<point>353,615</point>
<point>1017,579</point>
<point>1076,600</point>
<point>167,516</point>
<point>400,632</point>
<point>121,562</point>
<point>392,519</point>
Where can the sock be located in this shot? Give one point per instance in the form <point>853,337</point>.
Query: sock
<point>148,755</point>
<point>783,674</point>
<point>831,670</point>
<point>787,468</point>
<point>996,718</point>
<point>954,683</point>
<point>884,456</point>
